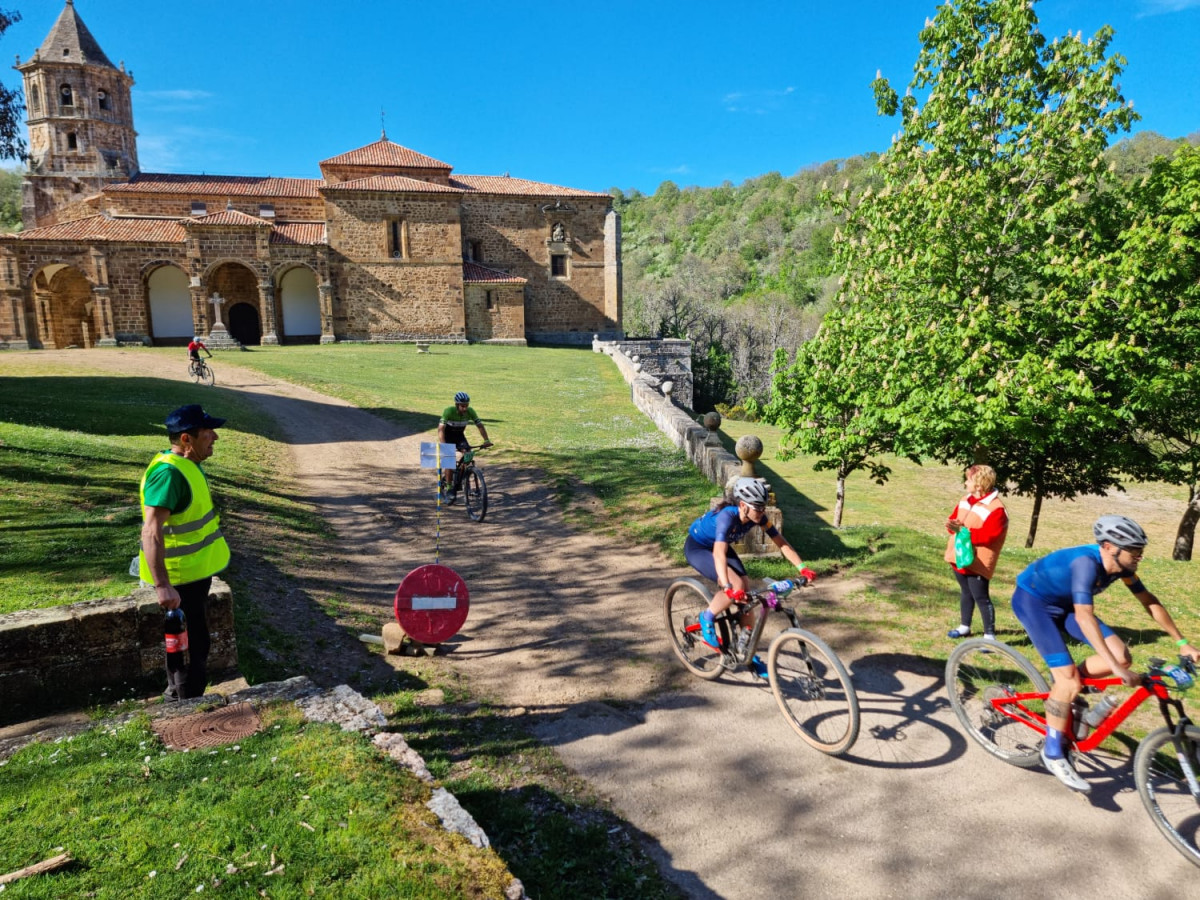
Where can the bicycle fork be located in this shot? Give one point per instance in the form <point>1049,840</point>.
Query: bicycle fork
<point>1186,753</point>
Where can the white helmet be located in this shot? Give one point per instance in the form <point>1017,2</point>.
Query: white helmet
<point>751,490</point>
<point>1124,533</point>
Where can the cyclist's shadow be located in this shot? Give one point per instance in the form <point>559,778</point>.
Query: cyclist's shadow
<point>1109,772</point>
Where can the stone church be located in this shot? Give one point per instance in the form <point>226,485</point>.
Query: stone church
<point>387,245</point>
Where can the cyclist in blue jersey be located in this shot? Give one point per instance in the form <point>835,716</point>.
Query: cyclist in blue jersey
<point>708,550</point>
<point>1055,594</point>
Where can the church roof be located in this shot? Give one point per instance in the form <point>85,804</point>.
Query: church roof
<point>299,233</point>
<point>384,154</point>
<point>70,41</point>
<point>503,184</point>
<point>224,185</point>
<point>474,273</point>
<point>392,183</point>
<point>104,228</point>
<point>227,217</point>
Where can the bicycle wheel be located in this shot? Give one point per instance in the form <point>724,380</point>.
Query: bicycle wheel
<point>194,372</point>
<point>684,601</point>
<point>475,493</point>
<point>813,690</point>
<point>1162,781</point>
<point>206,376</point>
<point>979,672</point>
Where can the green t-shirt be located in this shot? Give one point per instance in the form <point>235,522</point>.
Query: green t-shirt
<point>452,418</point>
<point>166,486</point>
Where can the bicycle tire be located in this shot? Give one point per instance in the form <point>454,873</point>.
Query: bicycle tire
<point>814,691</point>
<point>1164,789</point>
<point>194,372</point>
<point>683,602</point>
<point>475,494</point>
<point>206,376</point>
<point>979,671</point>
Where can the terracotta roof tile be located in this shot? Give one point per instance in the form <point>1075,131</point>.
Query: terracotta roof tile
<point>393,184</point>
<point>225,217</point>
<point>474,273</point>
<point>385,154</point>
<point>103,228</point>
<point>503,184</point>
<point>224,185</point>
<point>305,233</point>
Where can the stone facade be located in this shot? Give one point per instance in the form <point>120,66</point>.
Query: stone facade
<point>387,245</point>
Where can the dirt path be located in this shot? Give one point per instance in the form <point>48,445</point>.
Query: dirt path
<point>564,624</point>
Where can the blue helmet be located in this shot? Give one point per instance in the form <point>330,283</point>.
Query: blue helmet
<point>461,397</point>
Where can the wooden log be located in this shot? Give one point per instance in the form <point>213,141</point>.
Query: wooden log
<point>52,864</point>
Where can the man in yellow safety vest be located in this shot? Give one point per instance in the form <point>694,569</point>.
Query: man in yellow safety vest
<point>182,544</point>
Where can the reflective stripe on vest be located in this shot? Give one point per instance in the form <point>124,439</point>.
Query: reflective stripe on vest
<point>194,545</point>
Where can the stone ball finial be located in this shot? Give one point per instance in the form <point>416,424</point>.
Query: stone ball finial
<point>748,449</point>
<point>667,387</point>
<point>711,420</point>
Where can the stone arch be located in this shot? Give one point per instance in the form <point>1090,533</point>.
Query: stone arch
<point>300,305</point>
<point>237,283</point>
<point>168,305</point>
<point>64,311</point>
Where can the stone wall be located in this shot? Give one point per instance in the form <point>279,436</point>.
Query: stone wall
<point>52,657</point>
<point>701,446</point>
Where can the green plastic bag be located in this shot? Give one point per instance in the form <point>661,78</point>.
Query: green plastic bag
<point>964,551</point>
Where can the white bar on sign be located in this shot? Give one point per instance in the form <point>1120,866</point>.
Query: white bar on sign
<point>420,603</point>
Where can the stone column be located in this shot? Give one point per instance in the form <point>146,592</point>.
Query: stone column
<point>15,297</point>
<point>266,302</point>
<point>325,289</point>
<point>103,316</point>
<point>45,331</point>
<point>199,308</point>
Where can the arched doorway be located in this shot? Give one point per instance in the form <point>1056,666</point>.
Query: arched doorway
<point>301,306</point>
<point>244,324</point>
<point>66,315</point>
<point>170,307</point>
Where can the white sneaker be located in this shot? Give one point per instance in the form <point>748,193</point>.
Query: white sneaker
<point>989,637</point>
<point>1062,770</point>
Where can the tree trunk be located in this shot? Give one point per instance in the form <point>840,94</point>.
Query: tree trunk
<point>841,501</point>
<point>1033,519</point>
<point>1186,535</point>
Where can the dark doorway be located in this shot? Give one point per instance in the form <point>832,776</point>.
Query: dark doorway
<point>244,326</point>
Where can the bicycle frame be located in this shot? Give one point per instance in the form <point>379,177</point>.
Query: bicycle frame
<point>729,619</point>
<point>1151,686</point>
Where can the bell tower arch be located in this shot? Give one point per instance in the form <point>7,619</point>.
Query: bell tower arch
<point>80,120</point>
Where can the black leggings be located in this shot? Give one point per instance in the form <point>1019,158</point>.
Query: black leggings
<point>974,591</point>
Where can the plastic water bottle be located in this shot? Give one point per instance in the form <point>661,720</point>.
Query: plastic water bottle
<point>1079,722</point>
<point>743,641</point>
<point>1100,711</point>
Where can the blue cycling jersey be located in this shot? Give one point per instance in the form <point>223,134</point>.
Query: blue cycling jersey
<point>1072,576</point>
<point>725,525</point>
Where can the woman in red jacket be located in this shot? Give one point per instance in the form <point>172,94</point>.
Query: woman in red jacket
<point>983,513</point>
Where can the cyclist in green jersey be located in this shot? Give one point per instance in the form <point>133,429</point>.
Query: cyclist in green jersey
<point>453,426</point>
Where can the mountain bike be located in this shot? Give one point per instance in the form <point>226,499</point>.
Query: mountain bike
<point>999,696</point>
<point>200,371</point>
<point>810,684</point>
<point>468,480</point>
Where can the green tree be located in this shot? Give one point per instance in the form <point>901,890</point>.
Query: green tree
<point>963,283</point>
<point>10,200</point>
<point>1153,296</point>
<point>12,140</point>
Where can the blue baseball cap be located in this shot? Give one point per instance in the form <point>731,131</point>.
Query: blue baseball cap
<point>190,418</point>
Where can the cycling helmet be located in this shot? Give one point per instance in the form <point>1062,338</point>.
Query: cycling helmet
<point>751,490</point>
<point>1124,533</point>
<point>461,397</point>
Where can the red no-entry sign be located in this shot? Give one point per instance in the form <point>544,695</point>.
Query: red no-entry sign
<point>432,603</point>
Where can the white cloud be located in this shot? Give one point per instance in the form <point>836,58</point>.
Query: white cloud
<point>756,103</point>
<point>1160,7</point>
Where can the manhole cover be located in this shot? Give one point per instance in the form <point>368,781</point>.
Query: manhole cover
<point>209,729</point>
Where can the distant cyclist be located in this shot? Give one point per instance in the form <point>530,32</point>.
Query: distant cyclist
<point>452,430</point>
<point>1056,594</point>
<point>195,345</point>
<point>708,550</point>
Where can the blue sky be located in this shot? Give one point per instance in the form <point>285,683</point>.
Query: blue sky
<point>623,94</point>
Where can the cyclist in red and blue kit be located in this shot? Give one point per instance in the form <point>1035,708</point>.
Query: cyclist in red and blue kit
<point>708,550</point>
<point>1055,594</point>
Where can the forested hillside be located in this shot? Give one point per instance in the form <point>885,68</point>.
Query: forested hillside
<point>746,269</point>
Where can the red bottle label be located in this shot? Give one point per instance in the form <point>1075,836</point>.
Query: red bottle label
<point>177,643</point>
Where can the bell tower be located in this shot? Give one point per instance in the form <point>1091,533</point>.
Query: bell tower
<point>80,119</point>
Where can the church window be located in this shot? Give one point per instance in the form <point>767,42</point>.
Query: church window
<point>558,265</point>
<point>397,238</point>
<point>35,99</point>
<point>72,141</point>
<point>199,208</point>
<point>102,99</point>
<point>66,95</point>
<point>266,210</point>
<point>474,251</point>
<point>491,302</point>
